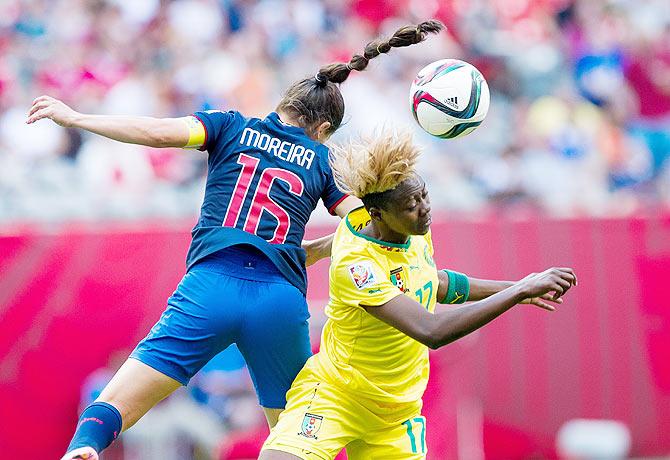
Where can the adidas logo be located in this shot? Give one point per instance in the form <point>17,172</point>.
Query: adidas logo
<point>452,102</point>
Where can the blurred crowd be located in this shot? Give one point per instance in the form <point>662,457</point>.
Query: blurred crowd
<point>579,123</point>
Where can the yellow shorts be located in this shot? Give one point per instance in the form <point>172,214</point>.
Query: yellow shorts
<point>320,419</point>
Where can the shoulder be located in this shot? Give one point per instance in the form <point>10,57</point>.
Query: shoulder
<point>361,277</point>
<point>345,240</point>
<point>322,150</point>
<point>356,268</point>
<point>354,259</point>
<point>347,247</point>
<point>216,118</point>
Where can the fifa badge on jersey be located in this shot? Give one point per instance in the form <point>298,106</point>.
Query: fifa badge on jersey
<point>362,274</point>
<point>311,425</point>
<point>399,279</point>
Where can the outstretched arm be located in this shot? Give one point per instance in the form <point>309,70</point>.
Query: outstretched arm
<point>152,132</point>
<point>436,330</point>
<point>480,289</point>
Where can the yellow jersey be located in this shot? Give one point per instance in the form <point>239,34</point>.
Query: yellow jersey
<point>364,355</point>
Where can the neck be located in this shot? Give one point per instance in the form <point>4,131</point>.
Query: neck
<point>288,119</point>
<point>381,232</point>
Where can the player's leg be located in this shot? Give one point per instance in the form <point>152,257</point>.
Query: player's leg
<point>193,328</point>
<point>133,390</point>
<point>316,424</point>
<point>399,441</point>
<point>274,341</point>
<point>136,388</point>
<point>272,415</point>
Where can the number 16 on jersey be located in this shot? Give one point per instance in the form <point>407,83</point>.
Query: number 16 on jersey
<point>261,200</point>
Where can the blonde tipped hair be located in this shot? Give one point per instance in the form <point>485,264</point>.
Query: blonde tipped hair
<point>374,164</point>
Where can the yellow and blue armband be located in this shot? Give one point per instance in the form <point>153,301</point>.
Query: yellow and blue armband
<point>459,288</point>
<point>197,135</point>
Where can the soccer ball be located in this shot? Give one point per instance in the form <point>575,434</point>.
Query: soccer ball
<point>449,98</point>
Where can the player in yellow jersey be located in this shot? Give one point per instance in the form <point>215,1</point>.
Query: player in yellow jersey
<point>363,389</point>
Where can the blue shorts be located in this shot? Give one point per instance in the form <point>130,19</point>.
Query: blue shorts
<point>233,296</point>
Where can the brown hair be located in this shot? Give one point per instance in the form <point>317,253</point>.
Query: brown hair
<point>315,100</point>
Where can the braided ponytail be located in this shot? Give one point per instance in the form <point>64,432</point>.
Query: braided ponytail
<point>405,36</point>
<point>316,100</point>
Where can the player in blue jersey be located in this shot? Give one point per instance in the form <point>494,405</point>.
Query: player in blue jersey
<point>245,280</point>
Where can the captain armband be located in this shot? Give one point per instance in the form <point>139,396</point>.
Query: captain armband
<point>197,135</point>
<point>459,288</point>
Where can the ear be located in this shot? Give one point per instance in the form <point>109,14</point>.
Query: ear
<point>375,213</point>
<point>322,131</point>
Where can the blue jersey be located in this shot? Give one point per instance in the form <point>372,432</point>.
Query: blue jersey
<point>264,180</point>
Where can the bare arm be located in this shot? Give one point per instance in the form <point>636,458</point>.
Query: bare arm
<point>481,289</point>
<point>320,248</point>
<point>436,330</point>
<point>348,204</point>
<point>317,249</point>
<point>152,132</point>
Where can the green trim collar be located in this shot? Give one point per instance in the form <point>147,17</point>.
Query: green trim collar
<point>374,240</point>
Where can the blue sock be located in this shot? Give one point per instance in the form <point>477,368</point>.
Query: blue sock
<point>98,426</point>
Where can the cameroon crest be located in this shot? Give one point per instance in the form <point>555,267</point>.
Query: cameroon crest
<point>399,279</point>
<point>311,425</point>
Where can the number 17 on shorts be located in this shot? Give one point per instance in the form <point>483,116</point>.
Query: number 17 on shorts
<point>416,434</point>
<point>406,440</point>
